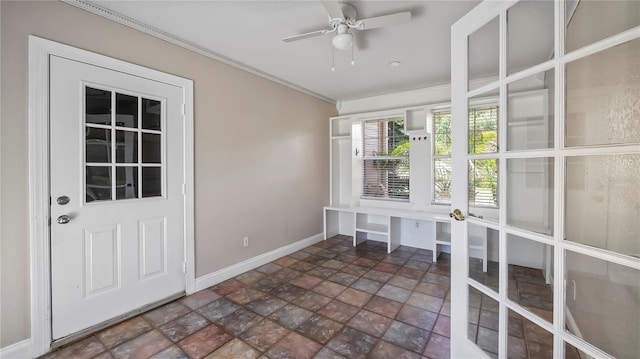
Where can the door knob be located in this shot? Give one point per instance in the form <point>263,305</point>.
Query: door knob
<point>64,219</point>
<point>457,215</point>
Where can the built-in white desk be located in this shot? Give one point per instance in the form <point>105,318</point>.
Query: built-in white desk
<point>384,224</point>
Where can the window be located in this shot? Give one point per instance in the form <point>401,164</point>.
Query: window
<point>483,174</point>
<point>386,159</point>
<point>441,156</point>
<point>123,147</point>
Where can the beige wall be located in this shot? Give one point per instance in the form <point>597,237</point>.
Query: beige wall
<point>261,149</point>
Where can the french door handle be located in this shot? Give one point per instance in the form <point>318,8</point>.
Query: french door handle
<point>64,219</point>
<point>457,215</point>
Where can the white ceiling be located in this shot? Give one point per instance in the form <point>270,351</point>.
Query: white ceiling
<point>249,33</point>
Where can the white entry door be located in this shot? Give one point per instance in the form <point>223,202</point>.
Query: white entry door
<point>546,152</point>
<point>117,200</point>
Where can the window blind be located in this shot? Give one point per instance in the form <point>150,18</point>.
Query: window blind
<point>386,159</point>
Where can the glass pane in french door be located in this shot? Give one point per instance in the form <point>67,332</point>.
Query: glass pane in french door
<point>484,255</point>
<point>523,19</point>
<point>527,340</point>
<point>602,92</point>
<point>530,275</point>
<point>571,352</point>
<point>602,199</point>
<point>601,304</point>
<point>483,55</point>
<point>483,321</point>
<point>530,194</point>
<point>530,110</point>
<point>588,21</point>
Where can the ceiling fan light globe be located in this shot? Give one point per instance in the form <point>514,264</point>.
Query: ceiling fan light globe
<point>342,41</point>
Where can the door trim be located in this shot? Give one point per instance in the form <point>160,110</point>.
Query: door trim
<point>40,51</point>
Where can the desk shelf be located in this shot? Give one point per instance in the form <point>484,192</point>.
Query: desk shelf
<point>374,228</point>
<point>386,225</point>
<point>442,235</point>
<point>371,225</point>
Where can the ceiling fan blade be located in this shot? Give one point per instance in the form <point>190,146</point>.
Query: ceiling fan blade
<point>386,20</point>
<point>305,36</point>
<point>332,7</point>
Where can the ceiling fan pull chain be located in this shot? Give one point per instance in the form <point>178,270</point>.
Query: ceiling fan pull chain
<point>333,58</point>
<point>352,62</point>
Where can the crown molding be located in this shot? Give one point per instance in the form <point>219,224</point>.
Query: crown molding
<point>155,32</point>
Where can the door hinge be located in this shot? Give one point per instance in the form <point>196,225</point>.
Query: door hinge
<point>184,109</point>
<point>184,188</point>
<point>184,267</point>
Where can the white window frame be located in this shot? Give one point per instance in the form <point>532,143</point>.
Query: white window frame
<point>386,117</point>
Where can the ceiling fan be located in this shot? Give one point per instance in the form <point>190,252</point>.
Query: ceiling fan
<point>342,20</point>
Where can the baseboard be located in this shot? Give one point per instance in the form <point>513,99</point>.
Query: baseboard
<point>19,350</point>
<point>22,349</point>
<point>223,274</point>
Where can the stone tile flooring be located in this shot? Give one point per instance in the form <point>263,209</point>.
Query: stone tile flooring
<point>329,300</point>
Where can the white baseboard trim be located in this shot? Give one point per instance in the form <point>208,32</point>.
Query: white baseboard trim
<point>19,350</point>
<point>223,274</point>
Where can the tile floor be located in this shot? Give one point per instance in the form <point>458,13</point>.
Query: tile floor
<point>329,300</point>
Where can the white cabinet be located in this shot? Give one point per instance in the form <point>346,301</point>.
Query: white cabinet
<point>415,119</point>
<point>340,127</point>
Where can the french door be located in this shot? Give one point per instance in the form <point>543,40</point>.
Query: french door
<point>546,158</point>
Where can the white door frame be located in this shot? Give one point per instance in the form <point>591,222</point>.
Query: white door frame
<point>40,51</point>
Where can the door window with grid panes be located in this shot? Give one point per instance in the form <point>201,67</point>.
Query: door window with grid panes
<point>123,145</point>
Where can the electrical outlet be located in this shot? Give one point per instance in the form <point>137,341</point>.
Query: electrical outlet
<point>245,242</point>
